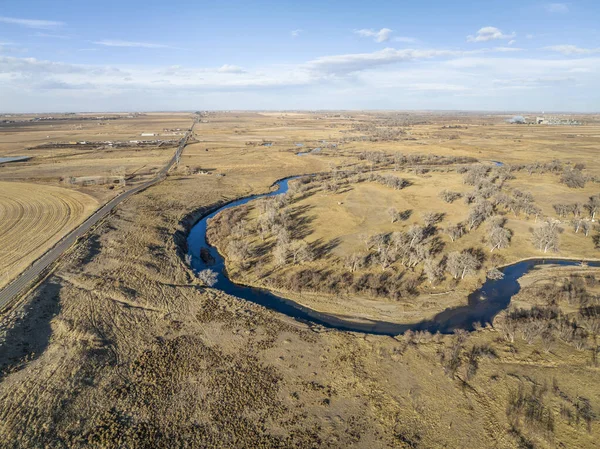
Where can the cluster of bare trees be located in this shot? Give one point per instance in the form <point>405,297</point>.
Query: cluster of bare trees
<point>577,209</point>
<point>457,355</point>
<point>549,324</point>
<point>448,196</point>
<point>498,236</point>
<point>275,221</point>
<point>391,181</point>
<point>400,160</point>
<point>455,231</point>
<point>208,277</point>
<point>574,178</point>
<point>478,213</point>
<point>554,166</point>
<point>409,248</point>
<point>546,237</point>
<point>518,202</point>
<point>461,264</point>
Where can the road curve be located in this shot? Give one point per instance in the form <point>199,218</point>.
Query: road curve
<point>10,293</point>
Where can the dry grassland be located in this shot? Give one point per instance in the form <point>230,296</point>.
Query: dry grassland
<point>341,219</point>
<point>130,350</point>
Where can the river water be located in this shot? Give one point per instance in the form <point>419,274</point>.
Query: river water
<point>483,304</point>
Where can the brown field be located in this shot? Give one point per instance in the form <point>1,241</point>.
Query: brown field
<point>129,349</point>
<point>34,218</point>
<point>99,160</point>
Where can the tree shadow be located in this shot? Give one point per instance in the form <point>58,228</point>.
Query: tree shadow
<point>322,249</point>
<point>93,247</point>
<point>30,335</point>
<point>405,215</point>
<point>301,228</point>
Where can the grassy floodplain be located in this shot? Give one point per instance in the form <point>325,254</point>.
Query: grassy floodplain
<point>131,350</point>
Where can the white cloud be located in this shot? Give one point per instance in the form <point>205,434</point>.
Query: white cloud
<point>117,43</point>
<point>382,35</point>
<point>437,87</point>
<point>560,8</point>
<point>422,79</point>
<point>529,36</point>
<point>295,33</point>
<point>32,23</point>
<point>355,62</point>
<point>569,50</point>
<point>486,34</point>
<point>512,42</point>
<point>407,40</point>
<point>51,35</point>
<point>228,68</point>
<point>506,49</point>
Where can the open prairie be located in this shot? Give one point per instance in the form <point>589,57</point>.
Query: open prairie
<point>343,211</point>
<point>133,349</point>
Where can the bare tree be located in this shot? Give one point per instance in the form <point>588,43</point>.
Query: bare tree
<point>379,241</point>
<point>238,250</point>
<point>573,178</point>
<point>455,231</point>
<point>498,236</point>
<point>354,261</point>
<point>586,227</point>
<point>282,235</point>
<point>208,277</point>
<point>394,214</point>
<point>479,213</point>
<point>531,209</point>
<point>562,210</point>
<point>593,206</point>
<point>385,256</point>
<point>188,259</point>
<point>433,271</point>
<point>416,235</point>
<point>449,196</point>
<point>495,274</point>
<point>280,254</point>
<point>453,264</point>
<point>432,218</point>
<point>545,237</point>
<point>301,251</point>
<point>470,264</point>
<point>462,264</point>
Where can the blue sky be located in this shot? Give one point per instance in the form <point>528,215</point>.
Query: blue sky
<point>157,55</point>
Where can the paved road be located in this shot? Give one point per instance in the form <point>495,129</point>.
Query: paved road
<point>10,293</point>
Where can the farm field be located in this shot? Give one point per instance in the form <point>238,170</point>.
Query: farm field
<point>140,352</point>
<point>84,151</point>
<point>74,166</point>
<point>33,218</point>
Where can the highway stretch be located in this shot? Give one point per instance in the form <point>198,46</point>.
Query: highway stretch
<point>10,293</point>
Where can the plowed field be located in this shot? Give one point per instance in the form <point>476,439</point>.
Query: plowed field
<point>32,219</point>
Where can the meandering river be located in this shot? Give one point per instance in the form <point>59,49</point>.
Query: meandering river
<point>483,304</point>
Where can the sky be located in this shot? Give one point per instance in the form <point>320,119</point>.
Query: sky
<point>131,55</point>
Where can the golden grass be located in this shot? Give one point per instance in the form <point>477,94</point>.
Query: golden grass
<point>34,218</point>
<point>121,347</point>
